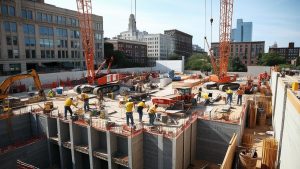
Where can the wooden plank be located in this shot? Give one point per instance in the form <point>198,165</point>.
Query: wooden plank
<point>228,160</point>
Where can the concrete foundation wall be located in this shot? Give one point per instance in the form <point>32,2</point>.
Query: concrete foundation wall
<point>151,150</point>
<point>15,129</point>
<point>213,139</point>
<point>187,140</point>
<point>35,154</point>
<point>135,151</point>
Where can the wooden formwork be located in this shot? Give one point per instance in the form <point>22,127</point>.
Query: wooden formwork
<point>229,157</point>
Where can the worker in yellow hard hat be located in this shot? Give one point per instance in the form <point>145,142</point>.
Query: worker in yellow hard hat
<point>229,93</point>
<point>129,108</point>
<point>85,99</point>
<point>239,93</point>
<point>151,113</point>
<point>206,98</point>
<point>68,103</point>
<point>140,108</point>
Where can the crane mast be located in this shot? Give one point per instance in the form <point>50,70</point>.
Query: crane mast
<point>226,11</point>
<point>84,8</point>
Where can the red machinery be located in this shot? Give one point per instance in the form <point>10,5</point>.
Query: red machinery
<point>181,94</point>
<point>86,30</point>
<point>220,66</point>
<point>263,77</point>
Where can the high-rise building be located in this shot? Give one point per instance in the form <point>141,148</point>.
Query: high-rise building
<point>159,47</point>
<point>248,52</point>
<point>183,42</point>
<point>290,53</point>
<point>36,35</point>
<point>242,32</point>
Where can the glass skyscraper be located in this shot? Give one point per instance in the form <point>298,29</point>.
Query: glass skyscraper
<point>242,32</point>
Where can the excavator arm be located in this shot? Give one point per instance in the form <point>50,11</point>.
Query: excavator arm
<point>4,87</point>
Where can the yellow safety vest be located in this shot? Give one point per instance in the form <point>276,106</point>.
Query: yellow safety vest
<point>152,110</point>
<point>68,102</point>
<point>129,106</point>
<point>142,104</point>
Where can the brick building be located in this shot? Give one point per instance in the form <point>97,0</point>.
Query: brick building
<point>290,53</point>
<point>248,52</point>
<point>135,51</point>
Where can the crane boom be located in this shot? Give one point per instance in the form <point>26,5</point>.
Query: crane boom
<point>86,29</point>
<point>226,11</point>
<point>212,58</point>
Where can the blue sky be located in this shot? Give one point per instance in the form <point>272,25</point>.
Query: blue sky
<point>273,20</point>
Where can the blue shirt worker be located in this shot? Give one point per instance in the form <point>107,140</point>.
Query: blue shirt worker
<point>140,108</point>
<point>129,107</point>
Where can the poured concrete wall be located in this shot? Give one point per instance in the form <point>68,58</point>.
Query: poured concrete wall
<point>135,151</point>
<point>187,139</point>
<point>35,154</point>
<point>213,139</point>
<point>151,150</point>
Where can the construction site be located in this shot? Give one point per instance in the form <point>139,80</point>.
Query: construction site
<point>151,117</point>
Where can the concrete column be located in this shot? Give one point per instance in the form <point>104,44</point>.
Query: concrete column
<point>135,151</point>
<point>72,144</point>
<point>48,143</point>
<point>60,143</point>
<point>111,148</point>
<point>160,154</point>
<point>90,147</point>
<point>193,141</point>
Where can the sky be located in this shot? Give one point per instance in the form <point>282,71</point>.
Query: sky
<point>273,20</point>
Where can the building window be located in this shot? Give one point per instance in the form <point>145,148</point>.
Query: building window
<point>62,43</point>
<point>11,11</point>
<point>15,40</point>
<point>33,54</point>
<point>61,32</point>
<point>97,36</point>
<point>43,54</point>
<point>10,26</point>
<point>27,54</point>
<point>75,34</point>
<point>16,53</point>
<point>52,54</point>
<point>29,41</point>
<point>46,31</point>
<point>28,29</point>
<point>26,14</point>
<point>8,40</point>
<point>4,10</point>
<point>16,68</point>
<point>46,43</point>
<point>10,54</point>
<point>59,54</point>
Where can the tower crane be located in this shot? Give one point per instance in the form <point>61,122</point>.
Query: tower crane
<point>84,8</point>
<point>221,78</point>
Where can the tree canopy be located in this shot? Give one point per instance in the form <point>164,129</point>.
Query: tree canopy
<point>198,62</point>
<point>236,65</point>
<point>270,59</point>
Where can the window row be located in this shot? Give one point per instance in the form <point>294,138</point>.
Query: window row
<point>27,14</point>
<point>12,40</point>
<point>8,10</point>
<point>46,31</point>
<point>46,43</point>
<point>29,41</point>
<point>43,17</point>
<point>10,26</point>
<point>13,53</point>
<point>62,54</point>
<point>47,54</point>
<point>28,29</point>
<point>30,54</point>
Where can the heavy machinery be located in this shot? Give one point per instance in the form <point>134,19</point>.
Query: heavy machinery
<point>105,83</point>
<point>221,79</point>
<point>5,104</point>
<point>182,95</point>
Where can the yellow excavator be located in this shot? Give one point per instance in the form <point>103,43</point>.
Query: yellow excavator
<point>5,109</point>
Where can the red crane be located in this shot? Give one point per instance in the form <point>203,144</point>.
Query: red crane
<point>84,8</point>
<point>220,76</point>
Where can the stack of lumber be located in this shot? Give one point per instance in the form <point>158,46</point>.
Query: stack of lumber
<point>247,141</point>
<point>251,114</point>
<point>269,153</point>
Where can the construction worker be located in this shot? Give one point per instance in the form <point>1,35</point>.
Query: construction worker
<point>85,99</point>
<point>100,98</point>
<point>140,108</point>
<point>129,107</point>
<point>229,93</point>
<point>68,103</point>
<point>152,115</point>
<point>206,98</point>
<point>199,94</point>
<point>51,93</point>
<point>239,93</point>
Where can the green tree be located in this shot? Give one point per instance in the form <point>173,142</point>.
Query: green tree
<point>236,65</point>
<point>108,50</point>
<point>198,62</point>
<point>271,59</point>
<point>174,56</point>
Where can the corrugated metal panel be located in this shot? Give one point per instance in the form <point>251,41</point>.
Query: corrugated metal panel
<point>290,149</point>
